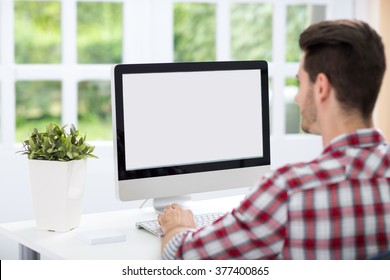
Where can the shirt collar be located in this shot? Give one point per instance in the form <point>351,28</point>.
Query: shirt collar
<point>366,137</point>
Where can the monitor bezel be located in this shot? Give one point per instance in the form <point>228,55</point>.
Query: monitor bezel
<point>122,69</point>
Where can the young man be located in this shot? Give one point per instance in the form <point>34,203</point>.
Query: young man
<point>334,207</point>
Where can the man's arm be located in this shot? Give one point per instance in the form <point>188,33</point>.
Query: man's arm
<point>255,229</point>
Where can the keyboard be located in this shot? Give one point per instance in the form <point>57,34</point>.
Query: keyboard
<point>201,220</point>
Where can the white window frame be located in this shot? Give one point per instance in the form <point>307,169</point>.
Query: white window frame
<point>149,23</point>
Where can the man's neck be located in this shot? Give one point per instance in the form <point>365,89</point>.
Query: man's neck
<point>337,127</point>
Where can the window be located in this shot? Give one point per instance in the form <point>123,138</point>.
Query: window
<point>94,109</point>
<point>37,103</point>
<point>39,43</point>
<point>194,32</point>
<point>37,29</point>
<point>251,31</point>
<point>56,59</point>
<point>99,32</point>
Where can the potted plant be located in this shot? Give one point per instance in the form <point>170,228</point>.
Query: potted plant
<point>57,165</point>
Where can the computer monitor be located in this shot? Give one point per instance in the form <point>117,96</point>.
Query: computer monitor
<point>184,128</point>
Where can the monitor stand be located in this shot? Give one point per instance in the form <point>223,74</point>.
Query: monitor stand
<point>160,203</point>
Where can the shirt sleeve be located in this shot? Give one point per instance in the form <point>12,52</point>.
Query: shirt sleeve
<point>256,229</point>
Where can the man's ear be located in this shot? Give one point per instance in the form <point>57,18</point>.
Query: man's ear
<point>322,88</point>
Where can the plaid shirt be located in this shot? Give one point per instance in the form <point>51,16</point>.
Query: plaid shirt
<point>334,207</point>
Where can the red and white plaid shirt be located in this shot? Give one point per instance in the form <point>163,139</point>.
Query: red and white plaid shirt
<point>334,207</point>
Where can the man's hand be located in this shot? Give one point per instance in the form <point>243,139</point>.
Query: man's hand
<point>173,220</point>
<point>174,216</point>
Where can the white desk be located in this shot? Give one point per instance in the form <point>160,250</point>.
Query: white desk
<point>139,244</point>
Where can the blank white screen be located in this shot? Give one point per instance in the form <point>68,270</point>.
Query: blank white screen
<point>182,118</point>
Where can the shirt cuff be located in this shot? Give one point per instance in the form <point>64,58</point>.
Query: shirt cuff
<point>170,250</point>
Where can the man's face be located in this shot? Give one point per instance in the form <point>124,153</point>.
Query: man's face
<point>305,101</point>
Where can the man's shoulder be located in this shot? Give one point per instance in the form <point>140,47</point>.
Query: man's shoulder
<point>321,170</point>
<point>334,166</point>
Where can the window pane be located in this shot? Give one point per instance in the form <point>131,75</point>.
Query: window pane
<point>37,103</point>
<point>251,31</point>
<point>299,17</point>
<point>292,115</point>
<point>37,32</point>
<point>194,32</point>
<point>94,109</point>
<point>99,32</point>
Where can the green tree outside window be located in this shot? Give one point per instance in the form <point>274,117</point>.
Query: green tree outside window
<point>37,32</point>
<point>94,109</point>
<point>251,31</point>
<point>37,103</point>
<point>194,32</point>
<point>99,32</point>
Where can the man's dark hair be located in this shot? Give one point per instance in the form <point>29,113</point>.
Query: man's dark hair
<point>351,54</point>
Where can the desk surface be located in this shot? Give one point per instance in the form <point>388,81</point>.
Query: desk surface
<point>139,244</point>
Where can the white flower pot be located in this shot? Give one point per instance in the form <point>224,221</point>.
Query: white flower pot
<point>57,192</point>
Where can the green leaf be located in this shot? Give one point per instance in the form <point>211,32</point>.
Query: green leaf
<point>55,143</point>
